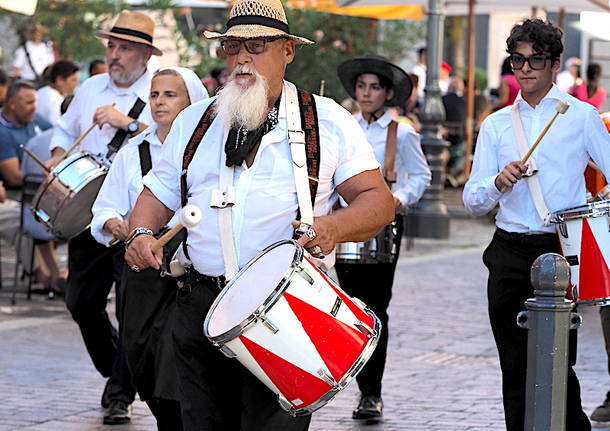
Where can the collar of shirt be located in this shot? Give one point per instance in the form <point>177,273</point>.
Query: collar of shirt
<point>140,88</point>
<point>383,121</point>
<point>8,123</point>
<point>554,94</point>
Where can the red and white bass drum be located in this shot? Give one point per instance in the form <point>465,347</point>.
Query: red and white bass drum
<point>293,328</point>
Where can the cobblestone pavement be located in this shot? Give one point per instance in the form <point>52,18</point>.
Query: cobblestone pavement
<point>442,371</point>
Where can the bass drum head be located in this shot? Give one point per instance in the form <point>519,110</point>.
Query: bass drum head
<point>75,214</point>
<point>250,288</point>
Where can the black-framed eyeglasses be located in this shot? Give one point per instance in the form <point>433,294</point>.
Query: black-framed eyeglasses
<point>536,61</point>
<point>253,46</point>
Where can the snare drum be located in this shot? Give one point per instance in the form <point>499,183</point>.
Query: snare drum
<point>293,328</point>
<point>381,248</point>
<point>63,201</point>
<point>585,243</point>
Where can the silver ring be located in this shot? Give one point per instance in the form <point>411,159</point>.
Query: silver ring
<point>311,234</point>
<point>316,251</point>
<point>135,268</point>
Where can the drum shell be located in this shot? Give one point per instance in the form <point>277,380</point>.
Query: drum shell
<point>63,201</point>
<point>293,343</point>
<point>584,236</point>
<point>379,249</point>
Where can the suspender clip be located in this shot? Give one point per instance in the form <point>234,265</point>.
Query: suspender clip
<point>223,199</point>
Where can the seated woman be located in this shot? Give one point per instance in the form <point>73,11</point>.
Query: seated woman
<point>149,298</point>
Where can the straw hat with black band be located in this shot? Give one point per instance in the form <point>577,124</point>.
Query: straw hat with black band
<point>251,19</point>
<point>133,27</point>
<point>376,64</point>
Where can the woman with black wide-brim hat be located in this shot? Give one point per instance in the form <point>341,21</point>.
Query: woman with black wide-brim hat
<point>376,84</point>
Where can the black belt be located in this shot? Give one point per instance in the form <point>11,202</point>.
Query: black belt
<point>192,277</point>
<point>526,238</point>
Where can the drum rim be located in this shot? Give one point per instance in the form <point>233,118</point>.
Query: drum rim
<point>272,298</point>
<point>588,210</point>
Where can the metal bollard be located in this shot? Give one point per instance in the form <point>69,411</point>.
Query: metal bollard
<point>549,318</point>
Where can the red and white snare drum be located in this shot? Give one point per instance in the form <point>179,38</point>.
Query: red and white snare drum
<point>584,234</point>
<point>293,328</point>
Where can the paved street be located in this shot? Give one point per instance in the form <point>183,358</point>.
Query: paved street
<point>442,371</point>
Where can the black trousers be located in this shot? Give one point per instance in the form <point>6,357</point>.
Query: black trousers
<point>604,314</point>
<point>509,258</point>
<point>167,413</point>
<point>218,393</point>
<point>93,269</point>
<point>372,283</point>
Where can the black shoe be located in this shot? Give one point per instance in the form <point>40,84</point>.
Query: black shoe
<point>369,407</point>
<point>105,401</point>
<point>119,412</point>
<point>602,413</point>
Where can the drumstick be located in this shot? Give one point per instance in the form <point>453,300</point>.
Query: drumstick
<point>35,158</point>
<point>78,141</point>
<point>561,108</point>
<point>322,84</point>
<point>190,216</point>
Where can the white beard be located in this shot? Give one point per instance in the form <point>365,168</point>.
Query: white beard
<point>243,107</point>
<point>125,77</point>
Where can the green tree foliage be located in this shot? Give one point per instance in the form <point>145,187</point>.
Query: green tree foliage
<point>339,38</point>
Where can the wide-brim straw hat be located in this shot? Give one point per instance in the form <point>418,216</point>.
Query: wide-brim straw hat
<point>349,70</point>
<point>133,27</point>
<point>251,19</point>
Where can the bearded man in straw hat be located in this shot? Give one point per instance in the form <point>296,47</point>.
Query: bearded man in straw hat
<point>115,101</point>
<point>234,162</point>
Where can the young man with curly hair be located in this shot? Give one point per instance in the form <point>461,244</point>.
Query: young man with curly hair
<point>523,234</point>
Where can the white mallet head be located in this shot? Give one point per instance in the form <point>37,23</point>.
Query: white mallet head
<point>562,107</point>
<point>190,216</point>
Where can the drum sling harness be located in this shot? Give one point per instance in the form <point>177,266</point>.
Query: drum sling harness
<point>309,142</point>
<point>389,159</point>
<point>145,159</point>
<point>532,181</point>
<point>117,140</point>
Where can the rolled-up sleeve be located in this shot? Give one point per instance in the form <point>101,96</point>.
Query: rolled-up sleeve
<point>413,171</point>
<point>113,199</point>
<point>480,192</point>
<point>163,180</point>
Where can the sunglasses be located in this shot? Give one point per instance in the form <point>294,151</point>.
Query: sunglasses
<point>536,61</point>
<point>253,46</point>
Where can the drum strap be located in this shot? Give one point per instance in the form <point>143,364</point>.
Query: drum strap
<point>532,181</point>
<point>308,117</point>
<point>145,159</point>
<point>389,160</point>
<point>117,140</point>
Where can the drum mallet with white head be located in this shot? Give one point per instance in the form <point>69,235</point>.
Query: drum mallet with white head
<point>190,216</point>
<point>561,108</point>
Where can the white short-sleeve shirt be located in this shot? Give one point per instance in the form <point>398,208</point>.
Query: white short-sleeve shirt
<point>266,200</point>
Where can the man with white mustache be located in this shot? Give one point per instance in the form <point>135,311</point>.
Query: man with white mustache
<point>115,102</point>
<point>246,133</point>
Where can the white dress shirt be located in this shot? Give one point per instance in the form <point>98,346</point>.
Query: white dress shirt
<point>561,159</point>
<point>123,184</point>
<point>99,90</point>
<point>266,200</point>
<point>48,104</point>
<point>41,55</point>
<point>412,171</point>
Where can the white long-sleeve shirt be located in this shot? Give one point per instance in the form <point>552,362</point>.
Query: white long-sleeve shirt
<point>561,159</point>
<point>266,200</point>
<point>99,90</point>
<point>123,184</point>
<point>48,103</point>
<point>412,171</point>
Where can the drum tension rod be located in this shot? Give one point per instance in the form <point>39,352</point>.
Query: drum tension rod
<point>269,324</point>
<point>327,377</point>
<point>305,275</point>
<point>364,328</point>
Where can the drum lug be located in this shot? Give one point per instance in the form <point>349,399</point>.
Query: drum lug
<point>285,405</point>
<point>269,324</point>
<point>305,275</point>
<point>563,230</point>
<point>327,378</point>
<point>227,352</point>
<point>364,328</point>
